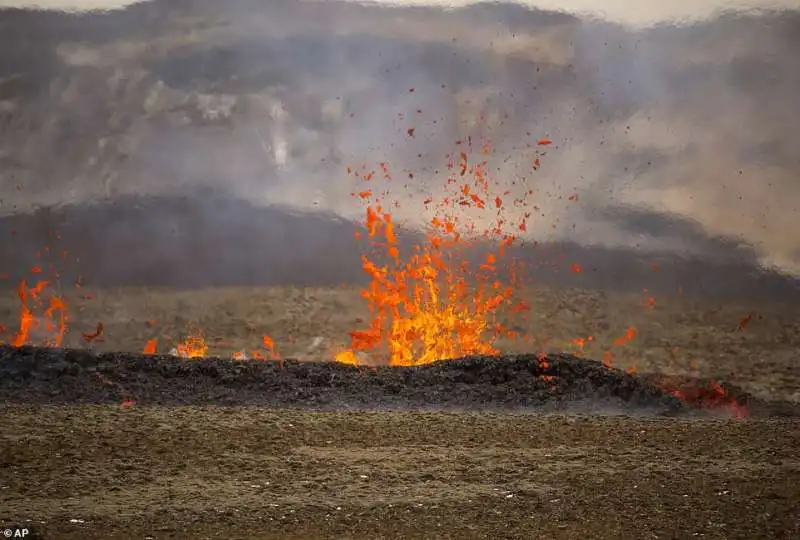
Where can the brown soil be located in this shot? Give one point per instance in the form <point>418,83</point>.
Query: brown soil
<point>188,472</point>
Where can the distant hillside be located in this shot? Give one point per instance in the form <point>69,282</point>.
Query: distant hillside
<point>206,241</point>
<point>270,101</point>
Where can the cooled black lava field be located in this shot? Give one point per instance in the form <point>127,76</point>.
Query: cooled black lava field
<point>509,383</point>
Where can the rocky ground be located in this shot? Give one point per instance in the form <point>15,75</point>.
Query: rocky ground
<point>509,383</point>
<point>95,471</point>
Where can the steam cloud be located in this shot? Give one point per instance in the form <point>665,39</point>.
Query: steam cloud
<point>677,138</point>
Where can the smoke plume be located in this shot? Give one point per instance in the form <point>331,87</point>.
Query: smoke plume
<point>679,139</point>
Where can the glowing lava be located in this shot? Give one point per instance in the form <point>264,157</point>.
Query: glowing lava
<point>432,306</point>
<point>712,397</point>
<point>53,319</point>
<point>194,346</point>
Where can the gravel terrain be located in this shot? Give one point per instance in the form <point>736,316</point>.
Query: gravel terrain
<point>99,471</point>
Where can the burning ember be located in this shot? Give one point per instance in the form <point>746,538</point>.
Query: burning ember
<point>712,396</point>
<point>195,346</point>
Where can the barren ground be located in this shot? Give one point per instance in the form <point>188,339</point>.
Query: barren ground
<point>251,473</point>
<point>244,472</point>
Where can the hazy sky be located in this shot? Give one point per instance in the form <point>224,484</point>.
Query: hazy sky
<point>634,12</point>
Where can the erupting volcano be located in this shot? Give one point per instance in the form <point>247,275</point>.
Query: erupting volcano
<point>454,295</point>
<point>324,269</point>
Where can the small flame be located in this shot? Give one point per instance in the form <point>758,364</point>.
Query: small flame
<point>54,316</point>
<point>150,347</point>
<point>194,346</point>
<point>269,344</point>
<point>347,357</point>
<point>713,396</point>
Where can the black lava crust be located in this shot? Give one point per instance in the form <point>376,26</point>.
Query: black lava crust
<point>34,375</point>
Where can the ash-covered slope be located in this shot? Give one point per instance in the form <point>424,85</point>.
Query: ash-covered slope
<point>270,101</point>
<point>504,383</point>
<point>210,240</point>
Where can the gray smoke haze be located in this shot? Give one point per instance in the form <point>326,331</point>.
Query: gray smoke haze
<point>680,139</point>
